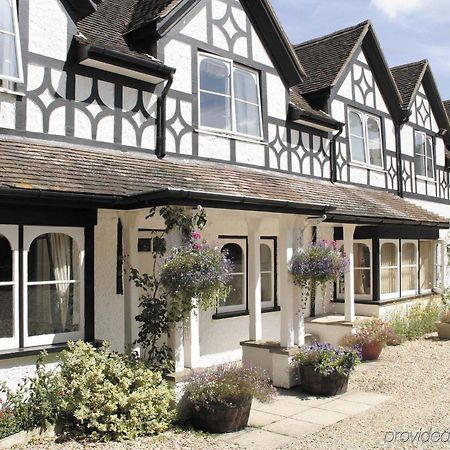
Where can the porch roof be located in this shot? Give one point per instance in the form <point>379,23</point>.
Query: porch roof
<point>77,176</point>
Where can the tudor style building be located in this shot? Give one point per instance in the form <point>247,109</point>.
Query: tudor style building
<point>108,108</point>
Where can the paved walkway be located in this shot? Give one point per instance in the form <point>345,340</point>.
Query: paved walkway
<point>293,415</point>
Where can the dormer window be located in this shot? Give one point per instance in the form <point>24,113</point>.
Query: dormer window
<point>10,54</point>
<point>365,139</point>
<point>229,97</point>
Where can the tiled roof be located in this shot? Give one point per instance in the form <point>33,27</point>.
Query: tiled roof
<point>407,77</point>
<point>39,167</point>
<point>147,11</point>
<point>324,58</point>
<point>447,107</point>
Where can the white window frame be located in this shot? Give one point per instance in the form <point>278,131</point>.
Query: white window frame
<point>433,258</point>
<point>438,272</point>
<point>19,78</point>
<point>242,242</point>
<point>271,244</point>
<point>364,117</point>
<point>341,294</point>
<point>416,266</point>
<point>398,267</point>
<point>30,233</point>
<point>425,156</point>
<point>11,233</point>
<point>233,65</point>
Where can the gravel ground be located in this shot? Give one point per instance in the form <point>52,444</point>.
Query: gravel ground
<point>415,375</point>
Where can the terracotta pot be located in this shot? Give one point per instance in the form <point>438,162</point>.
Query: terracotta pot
<point>443,330</point>
<point>219,418</point>
<point>371,351</point>
<point>314,383</point>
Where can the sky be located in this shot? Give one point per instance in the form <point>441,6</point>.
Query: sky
<point>408,30</point>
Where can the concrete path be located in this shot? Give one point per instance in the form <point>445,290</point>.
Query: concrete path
<point>293,415</point>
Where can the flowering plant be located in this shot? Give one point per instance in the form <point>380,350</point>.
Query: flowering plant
<point>327,359</point>
<point>229,385</point>
<point>321,262</point>
<point>196,271</point>
<point>371,331</point>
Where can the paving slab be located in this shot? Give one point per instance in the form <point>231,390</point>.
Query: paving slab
<point>260,440</point>
<point>260,419</point>
<point>281,407</point>
<point>320,416</point>
<point>346,407</point>
<point>368,398</point>
<point>293,428</point>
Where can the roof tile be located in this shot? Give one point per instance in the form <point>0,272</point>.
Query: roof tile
<point>407,77</point>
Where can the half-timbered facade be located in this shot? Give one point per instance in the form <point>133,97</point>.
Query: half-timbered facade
<point>107,108</point>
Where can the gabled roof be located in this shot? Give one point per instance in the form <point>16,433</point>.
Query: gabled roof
<point>325,60</point>
<point>446,104</point>
<point>408,78</point>
<point>40,172</point>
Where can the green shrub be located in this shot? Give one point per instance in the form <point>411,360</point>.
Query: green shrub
<point>416,321</point>
<point>9,424</point>
<point>35,402</point>
<point>112,396</point>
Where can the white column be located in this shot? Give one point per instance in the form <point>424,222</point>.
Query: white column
<point>286,245</point>
<point>350,275</point>
<point>254,279</point>
<point>299,318</point>
<point>192,340</point>
<point>130,291</point>
<point>443,257</point>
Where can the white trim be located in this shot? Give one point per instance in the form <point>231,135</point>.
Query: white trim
<point>230,135</point>
<point>425,157</point>
<point>19,78</point>
<point>271,244</point>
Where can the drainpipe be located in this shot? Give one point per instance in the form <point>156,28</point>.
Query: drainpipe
<point>333,155</point>
<point>398,151</point>
<point>161,120</point>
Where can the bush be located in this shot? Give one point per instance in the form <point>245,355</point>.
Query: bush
<point>327,359</point>
<point>371,331</point>
<point>9,424</point>
<point>416,321</point>
<point>112,396</point>
<point>229,385</point>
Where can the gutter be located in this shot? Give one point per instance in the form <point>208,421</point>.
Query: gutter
<point>161,119</point>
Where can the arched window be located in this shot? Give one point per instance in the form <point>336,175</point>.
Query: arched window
<point>236,299</point>
<point>267,275</point>
<point>54,297</point>
<point>357,144</point>
<point>246,97</point>
<point>374,142</point>
<point>409,268</point>
<point>7,313</point>
<point>389,269</point>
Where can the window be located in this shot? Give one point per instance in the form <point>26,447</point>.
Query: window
<point>426,266</point>
<point>389,270</point>
<point>424,155</point>
<point>229,97</point>
<point>10,54</point>
<point>235,251</point>
<point>267,252</point>
<point>409,268</point>
<point>438,265</point>
<point>362,270</point>
<point>365,138</point>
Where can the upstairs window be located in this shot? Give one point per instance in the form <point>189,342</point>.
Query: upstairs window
<point>10,55</point>
<point>229,97</point>
<point>365,138</point>
<point>424,155</point>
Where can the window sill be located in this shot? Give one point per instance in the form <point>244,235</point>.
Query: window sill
<point>271,309</point>
<point>231,314</point>
<point>422,178</point>
<point>230,135</point>
<point>367,167</point>
<point>31,351</point>
<point>4,90</point>
<point>388,301</point>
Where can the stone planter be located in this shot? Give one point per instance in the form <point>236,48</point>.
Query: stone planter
<point>314,383</point>
<point>24,437</point>
<point>371,351</point>
<point>218,418</point>
<point>443,330</point>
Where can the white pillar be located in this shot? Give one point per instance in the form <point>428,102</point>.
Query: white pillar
<point>192,340</point>
<point>286,245</point>
<point>349,230</point>
<point>254,279</point>
<point>443,257</point>
<point>176,343</point>
<point>130,291</point>
<point>299,318</point>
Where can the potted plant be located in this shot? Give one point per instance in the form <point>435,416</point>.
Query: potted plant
<point>221,398</point>
<point>325,369</point>
<point>370,338</point>
<point>443,326</point>
<point>317,264</point>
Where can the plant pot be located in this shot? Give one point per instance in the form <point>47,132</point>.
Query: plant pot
<point>371,351</point>
<point>315,383</point>
<point>443,330</point>
<point>219,418</point>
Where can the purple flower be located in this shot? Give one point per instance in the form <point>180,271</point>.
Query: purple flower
<point>196,235</point>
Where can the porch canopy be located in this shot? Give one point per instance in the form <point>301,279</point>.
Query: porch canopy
<point>76,176</point>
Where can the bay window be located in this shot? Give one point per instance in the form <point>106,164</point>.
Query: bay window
<point>365,138</point>
<point>423,149</point>
<point>426,251</point>
<point>267,255</point>
<point>229,97</point>
<point>389,269</point>
<point>10,53</point>
<point>409,268</point>
<point>438,281</point>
